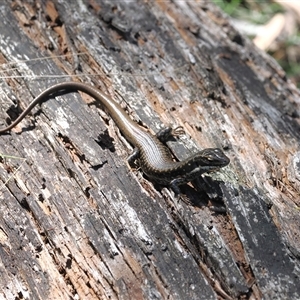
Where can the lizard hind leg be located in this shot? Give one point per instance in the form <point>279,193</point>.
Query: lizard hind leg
<point>133,156</point>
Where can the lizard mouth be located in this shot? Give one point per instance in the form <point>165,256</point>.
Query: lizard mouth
<point>210,169</point>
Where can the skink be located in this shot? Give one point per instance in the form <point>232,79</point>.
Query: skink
<point>153,155</point>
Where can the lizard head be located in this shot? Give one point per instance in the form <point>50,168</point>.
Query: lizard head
<point>210,159</point>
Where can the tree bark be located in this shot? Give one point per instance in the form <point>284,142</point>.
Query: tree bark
<point>77,222</point>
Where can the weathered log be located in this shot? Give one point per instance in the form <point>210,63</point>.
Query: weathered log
<point>77,222</point>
